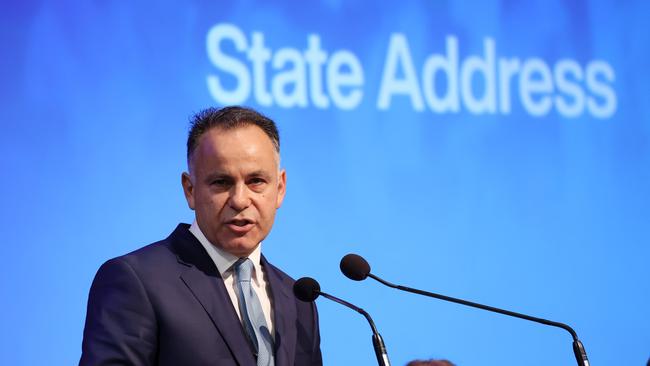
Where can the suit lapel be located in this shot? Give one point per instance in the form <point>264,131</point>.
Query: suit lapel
<point>205,283</point>
<point>284,315</point>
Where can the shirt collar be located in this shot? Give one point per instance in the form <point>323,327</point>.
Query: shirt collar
<point>224,260</point>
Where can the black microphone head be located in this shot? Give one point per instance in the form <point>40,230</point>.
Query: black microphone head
<point>355,267</point>
<point>306,289</point>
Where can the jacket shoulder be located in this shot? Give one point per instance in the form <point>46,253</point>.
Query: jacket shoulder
<point>154,257</point>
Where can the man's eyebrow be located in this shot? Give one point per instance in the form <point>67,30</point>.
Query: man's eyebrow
<point>215,175</point>
<point>258,173</point>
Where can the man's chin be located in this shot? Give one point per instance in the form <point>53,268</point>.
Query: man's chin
<point>240,248</point>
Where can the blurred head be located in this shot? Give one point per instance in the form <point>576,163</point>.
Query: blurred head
<point>430,363</point>
<point>234,182</point>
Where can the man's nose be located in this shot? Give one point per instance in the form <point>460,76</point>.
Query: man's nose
<point>239,197</point>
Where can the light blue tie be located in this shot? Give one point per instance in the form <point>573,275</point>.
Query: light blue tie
<point>252,315</point>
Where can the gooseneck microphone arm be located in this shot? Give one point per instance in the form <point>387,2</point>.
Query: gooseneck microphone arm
<point>307,289</point>
<point>476,305</point>
<point>377,341</point>
<point>356,268</point>
<point>578,348</point>
<point>353,307</point>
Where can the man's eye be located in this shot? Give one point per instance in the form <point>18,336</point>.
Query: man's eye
<point>257,181</point>
<point>220,182</point>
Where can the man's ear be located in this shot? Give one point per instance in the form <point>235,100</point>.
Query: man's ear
<point>188,189</point>
<point>282,188</point>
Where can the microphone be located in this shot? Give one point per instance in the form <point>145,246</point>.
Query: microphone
<point>307,289</point>
<point>356,268</point>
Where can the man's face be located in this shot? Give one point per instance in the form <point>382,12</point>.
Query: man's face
<point>235,186</point>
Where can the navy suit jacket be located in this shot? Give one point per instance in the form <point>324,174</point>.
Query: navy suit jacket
<point>166,304</point>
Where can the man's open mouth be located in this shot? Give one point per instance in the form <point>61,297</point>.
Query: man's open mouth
<point>240,222</point>
<point>240,226</point>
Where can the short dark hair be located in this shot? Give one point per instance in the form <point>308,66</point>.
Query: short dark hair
<point>228,118</point>
<point>430,363</point>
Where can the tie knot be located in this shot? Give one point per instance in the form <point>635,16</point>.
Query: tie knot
<point>244,269</point>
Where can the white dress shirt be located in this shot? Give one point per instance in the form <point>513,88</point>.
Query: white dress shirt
<point>225,262</point>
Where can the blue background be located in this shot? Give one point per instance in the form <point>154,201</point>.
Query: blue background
<point>542,215</point>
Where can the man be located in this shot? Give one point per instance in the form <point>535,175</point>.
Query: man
<point>205,295</point>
